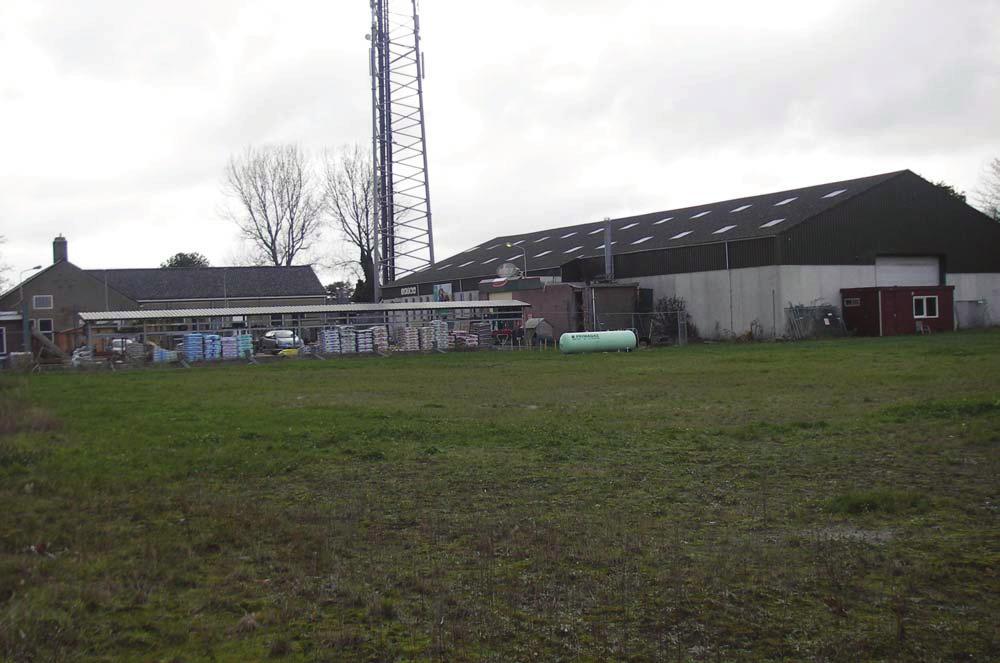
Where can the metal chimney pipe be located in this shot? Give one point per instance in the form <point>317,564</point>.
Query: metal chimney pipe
<point>609,260</point>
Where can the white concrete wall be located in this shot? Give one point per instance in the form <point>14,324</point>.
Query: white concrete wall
<point>806,284</point>
<point>758,293</point>
<point>754,290</point>
<point>970,287</point>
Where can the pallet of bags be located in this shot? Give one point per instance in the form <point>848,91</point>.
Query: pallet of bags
<point>365,341</point>
<point>380,338</point>
<point>484,332</point>
<point>465,340</point>
<point>348,340</point>
<point>230,347</point>
<point>194,347</point>
<point>426,338</point>
<point>213,347</point>
<point>161,356</point>
<point>409,340</point>
<point>441,339</point>
<point>329,341</point>
<point>244,346</point>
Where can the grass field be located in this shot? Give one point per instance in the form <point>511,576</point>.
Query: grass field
<point>811,501</point>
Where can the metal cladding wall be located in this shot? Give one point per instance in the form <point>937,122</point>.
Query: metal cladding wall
<point>904,216</point>
<point>757,252</point>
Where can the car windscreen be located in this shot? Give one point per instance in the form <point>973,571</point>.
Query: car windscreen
<point>283,334</point>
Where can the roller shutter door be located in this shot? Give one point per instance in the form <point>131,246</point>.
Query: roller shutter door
<point>897,270</point>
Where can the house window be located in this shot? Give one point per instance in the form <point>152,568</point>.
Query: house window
<point>852,301</point>
<point>925,306</point>
<point>46,328</point>
<point>3,341</point>
<point>277,320</point>
<point>41,302</point>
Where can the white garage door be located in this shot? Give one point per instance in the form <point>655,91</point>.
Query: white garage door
<point>920,270</point>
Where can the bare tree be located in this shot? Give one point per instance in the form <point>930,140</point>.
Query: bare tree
<point>349,198</point>
<point>987,194</point>
<point>4,268</point>
<point>279,204</point>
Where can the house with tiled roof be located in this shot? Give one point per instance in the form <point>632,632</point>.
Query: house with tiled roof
<point>56,295</point>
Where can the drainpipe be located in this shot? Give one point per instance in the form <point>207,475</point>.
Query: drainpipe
<point>729,272</point>
<point>609,259</point>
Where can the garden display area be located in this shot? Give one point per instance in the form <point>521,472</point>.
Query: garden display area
<point>804,501</point>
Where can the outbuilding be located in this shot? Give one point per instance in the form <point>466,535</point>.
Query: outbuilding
<point>894,310</point>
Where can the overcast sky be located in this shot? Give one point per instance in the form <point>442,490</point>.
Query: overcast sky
<point>117,117</point>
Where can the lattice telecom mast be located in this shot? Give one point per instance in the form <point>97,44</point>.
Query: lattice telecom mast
<point>404,241</point>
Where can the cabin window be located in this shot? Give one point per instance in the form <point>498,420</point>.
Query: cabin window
<point>852,301</point>
<point>3,341</point>
<point>46,328</point>
<point>41,302</point>
<point>925,306</point>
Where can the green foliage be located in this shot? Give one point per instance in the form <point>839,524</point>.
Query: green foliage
<point>812,501</point>
<point>337,287</point>
<point>186,260</point>
<point>951,190</point>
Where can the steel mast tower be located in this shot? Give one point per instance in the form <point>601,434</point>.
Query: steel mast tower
<point>404,241</point>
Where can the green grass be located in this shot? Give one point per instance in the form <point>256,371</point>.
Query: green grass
<point>811,501</point>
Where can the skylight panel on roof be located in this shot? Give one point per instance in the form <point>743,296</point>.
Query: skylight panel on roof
<point>683,234</point>
<point>741,208</point>
<point>641,240</point>
<point>771,223</point>
<point>516,255</point>
<point>701,214</point>
<point>490,248</point>
<point>444,266</point>
<point>520,241</point>
<point>598,248</point>
<point>669,218</point>
<point>567,235</point>
<point>594,232</point>
<point>575,248</point>
<point>786,201</point>
<point>466,264</point>
<point>486,262</point>
<point>723,229</point>
<point>540,239</point>
<point>835,193</point>
<point>543,253</point>
<point>631,225</point>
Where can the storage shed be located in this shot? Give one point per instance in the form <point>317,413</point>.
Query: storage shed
<point>537,331</point>
<point>890,311</point>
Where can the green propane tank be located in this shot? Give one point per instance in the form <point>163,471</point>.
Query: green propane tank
<point>602,341</point>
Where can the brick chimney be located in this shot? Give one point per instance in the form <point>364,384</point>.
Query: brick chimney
<point>60,250</point>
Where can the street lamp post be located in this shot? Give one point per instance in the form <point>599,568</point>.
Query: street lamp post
<point>523,253</point>
<point>25,323</point>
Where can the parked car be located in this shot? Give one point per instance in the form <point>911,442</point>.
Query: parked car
<point>277,340</point>
<point>117,346</point>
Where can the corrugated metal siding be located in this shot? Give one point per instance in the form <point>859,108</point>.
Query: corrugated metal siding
<point>905,216</point>
<point>647,263</point>
<point>704,258</point>
<point>681,260</point>
<point>752,253</point>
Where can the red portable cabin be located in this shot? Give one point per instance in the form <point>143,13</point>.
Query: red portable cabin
<point>889,311</point>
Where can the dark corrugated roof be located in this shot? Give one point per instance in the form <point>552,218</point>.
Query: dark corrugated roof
<point>740,218</point>
<point>212,282</point>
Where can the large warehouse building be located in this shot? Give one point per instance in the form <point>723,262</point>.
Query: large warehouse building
<point>740,262</point>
